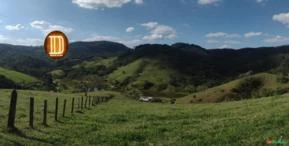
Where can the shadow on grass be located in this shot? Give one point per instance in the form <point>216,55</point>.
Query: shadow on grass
<point>19,133</point>
<point>80,112</point>
<point>41,131</point>
<point>14,142</point>
<point>58,121</point>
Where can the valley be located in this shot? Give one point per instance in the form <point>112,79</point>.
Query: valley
<point>222,96</point>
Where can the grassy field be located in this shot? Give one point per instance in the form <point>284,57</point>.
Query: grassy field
<point>122,121</point>
<point>125,71</point>
<point>17,76</point>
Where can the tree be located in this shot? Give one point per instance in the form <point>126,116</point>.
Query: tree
<point>48,82</point>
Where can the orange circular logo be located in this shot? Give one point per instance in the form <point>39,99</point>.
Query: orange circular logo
<point>56,45</point>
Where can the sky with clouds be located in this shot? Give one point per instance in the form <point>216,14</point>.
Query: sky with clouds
<point>209,23</point>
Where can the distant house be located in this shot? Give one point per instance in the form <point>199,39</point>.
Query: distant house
<point>145,99</point>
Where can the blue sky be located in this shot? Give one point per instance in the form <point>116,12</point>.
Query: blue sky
<point>209,23</point>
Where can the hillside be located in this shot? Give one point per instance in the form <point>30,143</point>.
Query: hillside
<point>161,70</point>
<point>173,70</point>
<point>32,59</point>
<point>152,77</point>
<point>17,77</point>
<point>84,50</point>
<point>184,68</point>
<point>215,94</point>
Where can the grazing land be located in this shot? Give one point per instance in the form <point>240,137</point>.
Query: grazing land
<point>123,121</point>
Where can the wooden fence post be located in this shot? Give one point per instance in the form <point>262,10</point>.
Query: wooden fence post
<point>64,107</point>
<point>56,109</point>
<point>31,113</point>
<point>89,101</point>
<point>45,113</point>
<point>72,105</point>
<point>81,102</point>
<point>85,103</point>
<point>93,101</point>
<point>78,103</point>
<point>12,111</point>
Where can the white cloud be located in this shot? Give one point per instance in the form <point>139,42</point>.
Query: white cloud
<point>260,1</point>
<point>216,34</point>
<point>277,40</point>
<point>282,18</point>
<point>29,42</point>
<point>21,41</point>
<point>231,42</point>
<point>131,43</point>
<point>14,27</point>
<point>46,27</point>
<point>207,2</point>
<point>139,1</point>
<point>252,34</point>
<point>3,39</point>
<point>233,35</point>
<point>212,41</point>
<point>97,4</point>
<point>158,31</point>
<point>150,25</point>
<point>222,35</point>
<point>225,46</point>
<point>102,38</point>
<point>130,29</point>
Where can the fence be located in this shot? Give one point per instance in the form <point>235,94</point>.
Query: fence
<point>87,103</point>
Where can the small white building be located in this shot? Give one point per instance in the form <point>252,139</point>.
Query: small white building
<point>145,99</point>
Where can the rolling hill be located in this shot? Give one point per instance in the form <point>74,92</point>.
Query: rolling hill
<point>270,83</point>
<point>32,59</point>
<point>176,70</point>
<point>17,77</point>
<point>161,70</point>
<point>184,68</point>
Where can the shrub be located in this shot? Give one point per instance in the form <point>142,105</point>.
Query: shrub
<point>267,92</point>
<point>201,88</point>
<point>247,88</point>
<point>282,79</point>
<point>162,86</point>
<point>173,100</point>
<point>148,85</point>
<point>6,83</point>
<point>156,99</point>
<point>281,91</point>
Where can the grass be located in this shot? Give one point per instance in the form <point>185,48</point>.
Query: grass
<point>215,93</point>
<point>122,121</point>
<point>17,76</point>
<point>125,71</point>
<point>153,73</point>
